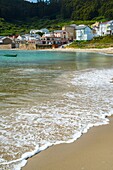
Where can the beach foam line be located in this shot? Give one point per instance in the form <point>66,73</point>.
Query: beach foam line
<point>23,160</point>
<point>27,155</point>
<point>82,79</point>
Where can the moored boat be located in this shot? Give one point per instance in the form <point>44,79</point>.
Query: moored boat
<point>10,55</point>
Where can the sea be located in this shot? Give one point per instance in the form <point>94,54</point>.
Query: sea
<point>48,98</point>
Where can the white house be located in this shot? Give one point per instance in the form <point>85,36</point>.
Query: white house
<point>21,38</point>
<point>1,41</point>
<point>105,28</point>
<point>28,37</point>
<point>83,32</point>
<point>43,30</point>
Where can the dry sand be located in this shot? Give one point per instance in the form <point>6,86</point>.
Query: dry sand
<point>102,50</point>
<point>92,151</point>
<point>32,47</point>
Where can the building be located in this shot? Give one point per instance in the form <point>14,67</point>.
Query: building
<point>70,29</point>
<point>21,38</point>
<point>105,28</point>
<point>61,33</point>
<point>57,38</point>
<point>50,39</point>
<point>5,40</point>
<point>32,38</point>
<point>43,30</point>
<point>83,32</point>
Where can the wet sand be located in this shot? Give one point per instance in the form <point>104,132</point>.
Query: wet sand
<point>92,151</point>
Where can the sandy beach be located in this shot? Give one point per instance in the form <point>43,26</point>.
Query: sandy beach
<point>92,151</point>
<point>32,47</point>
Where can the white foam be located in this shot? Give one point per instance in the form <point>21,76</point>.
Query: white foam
<point>94,78</point>
<point>20,165</point>
<point>63,120</point>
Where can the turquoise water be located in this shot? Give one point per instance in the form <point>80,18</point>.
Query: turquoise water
<point>46,57</point>
<point>50,97</point>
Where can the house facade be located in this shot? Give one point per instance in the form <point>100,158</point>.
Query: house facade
<point>105,28</point>
<point>83,32</point>
<point>6,40</point>
<point>49,39</point>
<point>28,37</point>
<point>71,32</point>
<point>58,37</point>
<point>61,33</point>
<point>43,30</point>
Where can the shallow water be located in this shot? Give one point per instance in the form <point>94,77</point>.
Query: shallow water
<point>50,97</point>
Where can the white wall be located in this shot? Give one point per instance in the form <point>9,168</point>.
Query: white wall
<point>84,34</point>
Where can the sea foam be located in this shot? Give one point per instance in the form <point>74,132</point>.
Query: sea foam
<point>87,102</point>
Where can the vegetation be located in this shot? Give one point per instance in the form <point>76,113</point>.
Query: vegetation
<point>22,27</point>
<point>97,42</point>
<point>19,16</point>
<point>52,9</point>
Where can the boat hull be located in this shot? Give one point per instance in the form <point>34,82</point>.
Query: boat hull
<point>10,55</point>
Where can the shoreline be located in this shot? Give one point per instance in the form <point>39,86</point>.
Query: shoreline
<point>49,156</point>
<point>32,47</point>
<point>93,150</point>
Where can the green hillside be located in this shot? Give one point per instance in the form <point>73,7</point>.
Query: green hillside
<point>97,42</point>
<point>65,9</point>
<point>19,16</point>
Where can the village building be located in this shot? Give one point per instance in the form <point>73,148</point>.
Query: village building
<point>83,32</point>
<point>105,28</point>
<point>71,32</point>
<point>48,41</point>
<point>21,38</point>
<point>95,28</point>
<point>1,42</point>
<point>43,30</point>
<point>53,39</point>
<point>5,40</point>
<point>31,38</point>
<point>33,31</point>
<point>63,35</point>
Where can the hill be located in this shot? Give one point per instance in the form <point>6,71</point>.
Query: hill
<point>19,16</point>
<point>65,9</point>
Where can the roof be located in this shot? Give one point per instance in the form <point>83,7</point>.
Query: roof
<point>107,22</point>
<point>59,31</point>
<point>80,27</point>
<point>73,25</point>
<point>44,30</point>
<point>3,38</point>
<point>48,35</point>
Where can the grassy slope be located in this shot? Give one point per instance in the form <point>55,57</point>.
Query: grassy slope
<point>19,27</point>
<point>98,42</point>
